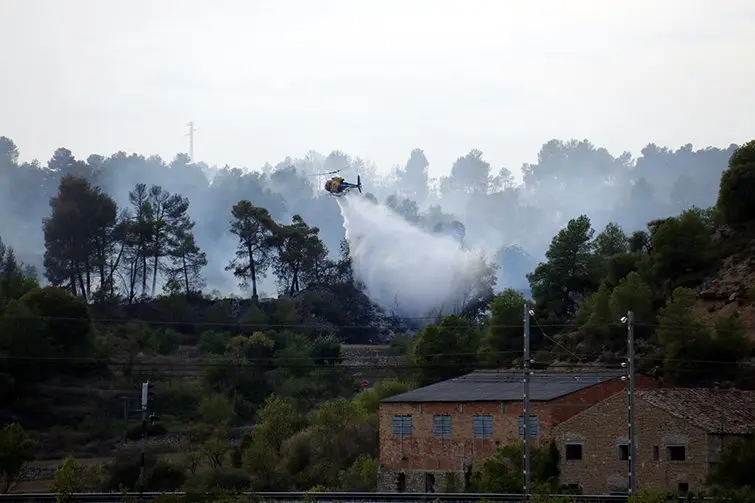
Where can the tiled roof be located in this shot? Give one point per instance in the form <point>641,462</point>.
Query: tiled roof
<point>730,412</point>
<point>504,386</point>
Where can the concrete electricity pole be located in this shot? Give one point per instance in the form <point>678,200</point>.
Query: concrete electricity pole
<point>629,320</point>
<point>526,400</point>
<point>147,393</point>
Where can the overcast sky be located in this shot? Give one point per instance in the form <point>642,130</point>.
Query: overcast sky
<point>267,79</point>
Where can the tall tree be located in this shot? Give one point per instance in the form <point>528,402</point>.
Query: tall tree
<point>137,236</point>
<point>682,336</point>
<point>680,245</point>
<point>301,255</point>
<point>446,350</point>
<point>469,175</point>
<point>254,228</point>
<point>737,184</point>
<point>15,278</point>
<point>611,241</point>
<point>169,219</point>
<point>187,260</point>
<point>78,235</point>
<point>503,339</point>
<point>413,177</point>
<point>567,276</point>
<point>65,164</point>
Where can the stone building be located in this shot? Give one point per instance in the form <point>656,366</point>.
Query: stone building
<point>428,436</point>
<point>680,435</point>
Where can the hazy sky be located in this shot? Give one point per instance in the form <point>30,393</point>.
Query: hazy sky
<point>266,79</point>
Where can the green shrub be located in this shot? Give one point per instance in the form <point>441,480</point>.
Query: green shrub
<point>178,398</point>
<point>223,479</point>
<point>212,342</point>
<point>123,473</point>
<point>165,476</point>
<point>165,342</point>
<point>650,496</point>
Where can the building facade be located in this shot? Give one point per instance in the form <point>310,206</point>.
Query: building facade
<point>428,436</point>
<point>680,435</point>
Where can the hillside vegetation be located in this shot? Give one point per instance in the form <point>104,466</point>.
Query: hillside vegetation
<point>250,392</point>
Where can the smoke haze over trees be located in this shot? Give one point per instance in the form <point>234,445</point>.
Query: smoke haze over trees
<point>476,202</point>
<point>284,373</point>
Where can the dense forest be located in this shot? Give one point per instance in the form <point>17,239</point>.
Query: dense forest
<point>128,247</point>
<point>512,222</point>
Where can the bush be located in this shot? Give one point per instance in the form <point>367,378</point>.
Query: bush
<point>153,430</point>
<point>73,477</point>
<point>179,398</point>
<point>165,476</point>
<point>651,496</point>
<point>124,471</point>
<point>224,479</point>
<point>212,342</point>
<point>166,342</point>
<point>158,475</point>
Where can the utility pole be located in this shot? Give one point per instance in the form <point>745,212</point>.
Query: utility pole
<point>191,140</point>
<point>147,393</point>
<point>631,408</point>
<point>145,399</point>
<point>526,401</point>
<point>125,417</point>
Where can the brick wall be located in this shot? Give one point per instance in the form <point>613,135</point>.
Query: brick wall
<point>603,428</point>
<point>424,451</point>
<point>428,453</point>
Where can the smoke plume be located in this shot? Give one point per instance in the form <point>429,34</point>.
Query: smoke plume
<point>405,269</point>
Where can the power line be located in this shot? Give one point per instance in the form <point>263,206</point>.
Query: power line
<point>328,326</point>
<point>479,366</point>
<point>546,336</point>
<point>289,325</point>
<point>274,363</point>
<point>214,360</point>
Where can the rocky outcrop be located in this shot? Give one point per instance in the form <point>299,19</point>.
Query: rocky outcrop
<point>732,288</point>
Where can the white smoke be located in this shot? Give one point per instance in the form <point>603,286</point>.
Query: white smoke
<point>407,270</point>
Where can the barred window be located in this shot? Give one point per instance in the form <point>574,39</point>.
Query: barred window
<point>402,425</point>
<point>442,425</point>
<point>482,426</point>
<point>531,426</point>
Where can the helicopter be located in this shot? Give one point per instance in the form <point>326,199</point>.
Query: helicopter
<point>336,186</point>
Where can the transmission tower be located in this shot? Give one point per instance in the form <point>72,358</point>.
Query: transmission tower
<point>191,140</point>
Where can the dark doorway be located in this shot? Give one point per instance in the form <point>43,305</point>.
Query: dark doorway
<point>401,482</point>
<point>429,483</point>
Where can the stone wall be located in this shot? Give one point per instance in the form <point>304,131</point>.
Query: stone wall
<point>370,356</point>
<point>372,363</point>
<point>435,481</point>
<point>602,429</point>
